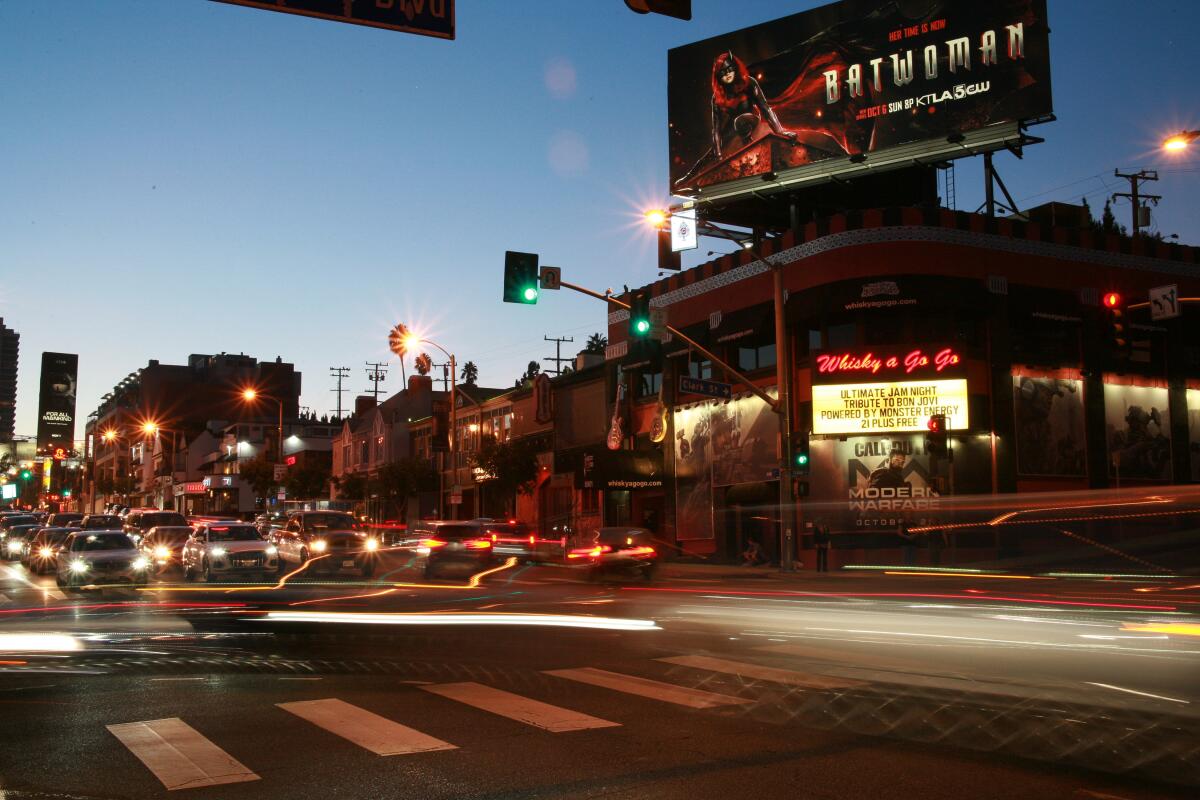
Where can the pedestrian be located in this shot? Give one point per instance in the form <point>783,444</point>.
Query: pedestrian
<point>824,543</point>
<point>753,554</point>
<point>908,543</point>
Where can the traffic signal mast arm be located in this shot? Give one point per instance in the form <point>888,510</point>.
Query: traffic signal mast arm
<point>608,297</point>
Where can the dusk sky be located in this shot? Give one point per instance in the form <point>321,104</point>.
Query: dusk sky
<point>185,176</point>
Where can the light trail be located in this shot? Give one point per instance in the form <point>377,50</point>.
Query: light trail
<point>1135,691</point>
<point>463,618</point>
<point>1177,628</point>
<point>973,575</point>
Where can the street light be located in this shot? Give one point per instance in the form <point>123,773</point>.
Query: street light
<point>250,395</point>
<point>656,218</point>
<point>409,342</point>
<point>1180,141</point>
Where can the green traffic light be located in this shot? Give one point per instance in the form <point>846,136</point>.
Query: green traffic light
<point>26,475</point>
<point>530,294</point>
<point>802,460</point>
<point>642,326</point>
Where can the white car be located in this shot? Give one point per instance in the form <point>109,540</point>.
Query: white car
<point>220,549</point>
<point>99,557</point>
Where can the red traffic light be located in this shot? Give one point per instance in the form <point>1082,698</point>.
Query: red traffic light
<point>1112,300</point>
<point>937,423</point>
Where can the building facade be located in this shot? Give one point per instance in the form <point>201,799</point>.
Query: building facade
<point>10,351</point>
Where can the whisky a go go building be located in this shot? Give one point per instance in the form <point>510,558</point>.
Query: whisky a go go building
<point>897,315</point>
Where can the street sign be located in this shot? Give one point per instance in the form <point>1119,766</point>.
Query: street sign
<point>455,495</point>
<point>280,471</point>
<point>683,230</point>
<point>721,391</point>
<point>658,322</point>
<point>1164,302</point>
<point>551,277</point>
<point>425,17</point>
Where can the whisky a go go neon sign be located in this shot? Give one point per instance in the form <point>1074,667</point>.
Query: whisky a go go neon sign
<point>923,389</point>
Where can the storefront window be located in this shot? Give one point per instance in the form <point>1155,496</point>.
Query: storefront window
<point>844,335</point>
<point>700,370</point>
<point>648,384</point>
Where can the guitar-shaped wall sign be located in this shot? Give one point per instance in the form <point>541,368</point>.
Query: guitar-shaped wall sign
<point>616,436</point>
<point>658,426</point>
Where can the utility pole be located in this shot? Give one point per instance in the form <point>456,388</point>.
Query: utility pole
<point>376,375</point>
<point>1136,179</point>
<point>557,357</point>
<point>341,373</point>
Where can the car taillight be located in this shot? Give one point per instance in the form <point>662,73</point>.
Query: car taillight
<point>589,552</point>
<point>640,551</point>
<point>478,544</point>
<point>432,543</point>
<point>493,538</point>
<point>532,539</point>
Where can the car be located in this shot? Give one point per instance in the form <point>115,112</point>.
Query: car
<point>334,540</point>
<point>630,551</point>
<point>163,545</point>
<point>11,520</point>
<point>100,522</point>
<point>42,550</point>
<point>457,546</point>
<point>140,520</point>
<point>17,535</point>
<point>64,519</point>
<point>221,549</point>
<point>96,557</point>
<point>269,521</point>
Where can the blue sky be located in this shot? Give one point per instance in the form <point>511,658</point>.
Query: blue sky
<point>184,176</point>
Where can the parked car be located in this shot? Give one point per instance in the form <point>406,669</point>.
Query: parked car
<point>220,549</point>
<point>100,557</point>
<point>629,551</point>
<point>163,545</point>
<point>64,519</point>
<point>41,553</point>
<point>455,546</point>
<point>139,521</point>
<point>17,535</point>
<point>334,538</point>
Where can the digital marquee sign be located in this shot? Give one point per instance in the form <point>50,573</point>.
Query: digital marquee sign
<point>888,407</point>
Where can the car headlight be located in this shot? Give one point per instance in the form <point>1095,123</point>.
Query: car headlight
<point>372,544</point>
<point>217,552</point>
<point>14,546</point>
<point>140,563</point>
<point>272,550</point>
<point>162,552</point>
<point>79,566</point>
<point>45,552</point>
<point>319,546</point>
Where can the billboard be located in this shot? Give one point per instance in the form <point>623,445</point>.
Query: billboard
<point>884,407</point>
<point>852,79</point>
<point>56,402</point>
<point>1050,427</point>
<point>1137,428</point>
<point>875,482</point>
<point>426,17</point>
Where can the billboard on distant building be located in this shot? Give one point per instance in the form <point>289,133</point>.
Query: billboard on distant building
<point>852,79</point>
<point>56,402</point>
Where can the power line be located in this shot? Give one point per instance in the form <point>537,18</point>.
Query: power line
<point>557,357</point>
<point>1136,179</point>
<point>376,375</point>
<point>341,373</point>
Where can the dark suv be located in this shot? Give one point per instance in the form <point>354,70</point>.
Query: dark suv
<point>334,540</point>
<point>100,522</point>
<point>461,546</point>
<point>138,523</point>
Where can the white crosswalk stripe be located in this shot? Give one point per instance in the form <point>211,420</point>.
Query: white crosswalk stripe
<point>179,755</point>
<point>368,730</point>
<point>522,709</point>
<point>644,687</point>
<point>774,674</point>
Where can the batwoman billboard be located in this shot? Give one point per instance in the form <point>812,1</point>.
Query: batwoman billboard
<point>854,77</point>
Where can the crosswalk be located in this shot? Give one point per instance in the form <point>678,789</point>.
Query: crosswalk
<point>181,757</point>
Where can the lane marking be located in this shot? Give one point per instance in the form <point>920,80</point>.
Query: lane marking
<point>644,687</point>
<point>1135,691</point>
<point>179,755</point>
<point>370,731</point>
<point>522,709</point>
<point>775,675</point>
<point>180,679</point>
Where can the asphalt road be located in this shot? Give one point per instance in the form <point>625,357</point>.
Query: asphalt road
<point>705,683</point>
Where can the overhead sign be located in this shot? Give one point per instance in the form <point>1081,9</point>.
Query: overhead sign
<point>56,402</point>
<point>849,80</point>
<point>1164,302</point>
<point>426,17</point>
<point>550,277</point>
<point>839,366</point>
<point>888,407</point>
<point>683,230</point>
<point>721,391</point>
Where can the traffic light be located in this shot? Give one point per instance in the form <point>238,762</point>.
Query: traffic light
<point>639,315</point>
<point>1116,330</point>
<point>935,440</point>
<point>26,474</point>
<point>520,277</point>
<point>800,457</point>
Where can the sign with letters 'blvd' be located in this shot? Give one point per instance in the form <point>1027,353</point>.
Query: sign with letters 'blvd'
<point>426,17</point>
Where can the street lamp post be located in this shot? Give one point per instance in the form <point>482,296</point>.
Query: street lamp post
<point>153,429</point>
<point>400,346</point>
<point>1180,141</point>
<point>250,395</point>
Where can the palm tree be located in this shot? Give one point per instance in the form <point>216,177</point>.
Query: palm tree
<point>469,374</point>
<point>596,343</point>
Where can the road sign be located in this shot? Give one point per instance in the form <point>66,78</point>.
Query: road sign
<point>551,277</point>
<point>455,495</point>
<point>1164,302</point>
<point>425,17</point>
<point>658,322</point>
<point>721,391</point>
<point>280,471</point>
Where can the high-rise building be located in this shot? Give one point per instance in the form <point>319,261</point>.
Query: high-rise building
<point>10,342</point>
